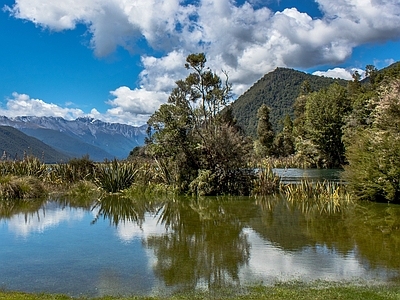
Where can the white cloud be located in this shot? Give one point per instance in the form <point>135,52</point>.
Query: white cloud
<point>245,40</point>
<point>127,107</point>
<point>340,73</point>
<point>23,105</point>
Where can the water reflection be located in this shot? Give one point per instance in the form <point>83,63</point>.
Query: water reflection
<point>172,243</point>
<point>204,243</point>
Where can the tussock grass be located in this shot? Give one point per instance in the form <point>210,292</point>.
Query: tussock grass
<point>30,166</point>
<point>27,187</point>
<point>266,181</point>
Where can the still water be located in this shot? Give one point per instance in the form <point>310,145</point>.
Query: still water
<point>295,175</point>
<point>146,246</point>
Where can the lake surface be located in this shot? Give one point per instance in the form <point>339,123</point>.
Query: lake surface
<point>295,175</point>
<point>122,246</point>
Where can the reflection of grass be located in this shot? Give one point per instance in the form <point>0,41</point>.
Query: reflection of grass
<point>297,290</point>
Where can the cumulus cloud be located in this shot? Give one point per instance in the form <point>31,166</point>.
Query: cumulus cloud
<point>122,111</point>
<point>246,40</point>
<point>24,105</point>
<point>341,73</point>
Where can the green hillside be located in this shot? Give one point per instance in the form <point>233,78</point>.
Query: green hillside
<point>277,89</point>
<point>14,144</point>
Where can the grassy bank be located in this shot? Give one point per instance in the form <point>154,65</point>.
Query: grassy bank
<point>319,290</point>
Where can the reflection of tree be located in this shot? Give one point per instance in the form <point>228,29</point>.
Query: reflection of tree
<point>120,209</point>
<point>370,229</point>
<point>281,224</point>
<point>204,243</point>
<point>375,228</point>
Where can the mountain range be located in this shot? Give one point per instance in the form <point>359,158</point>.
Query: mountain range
<point>80,137</point>
<point>15,145</point>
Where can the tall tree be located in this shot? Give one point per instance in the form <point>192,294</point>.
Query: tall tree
<point>324,117</point>
<point>373,172</point>
<point>192,137</point>
<point>265,132</point>
<point>284,141</point>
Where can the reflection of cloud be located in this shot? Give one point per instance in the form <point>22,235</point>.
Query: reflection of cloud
<point>128,231</point>
<point>270,263</point>
<point>45,218</point>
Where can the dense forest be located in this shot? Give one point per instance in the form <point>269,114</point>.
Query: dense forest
<point>278,90</point>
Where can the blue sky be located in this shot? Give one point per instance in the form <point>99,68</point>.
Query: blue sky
<point>117,60</point>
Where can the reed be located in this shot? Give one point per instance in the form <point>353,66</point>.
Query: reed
<point>114,176</point>
<point>325,196</point>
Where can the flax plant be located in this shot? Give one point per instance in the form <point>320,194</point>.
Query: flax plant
<point>266,181</point>
<point>116,176</point>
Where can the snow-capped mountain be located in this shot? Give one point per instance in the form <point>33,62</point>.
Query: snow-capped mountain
<point>83,136</point>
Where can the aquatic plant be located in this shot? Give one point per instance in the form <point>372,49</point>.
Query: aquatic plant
<point>115,176</point>
<point>77,169</point>
<point>323,196</point>
<point>266,181</point>
<point>29,166</point>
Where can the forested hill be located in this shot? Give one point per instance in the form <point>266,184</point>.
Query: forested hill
<point>277,89</point>
<point>15,144</point>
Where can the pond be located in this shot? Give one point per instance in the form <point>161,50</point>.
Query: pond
<point>295,175</point>
<point>147,246</point>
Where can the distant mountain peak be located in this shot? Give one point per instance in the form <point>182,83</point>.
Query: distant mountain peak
<point>110,139</point>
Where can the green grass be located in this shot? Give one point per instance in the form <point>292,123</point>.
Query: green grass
<point>296,290</point>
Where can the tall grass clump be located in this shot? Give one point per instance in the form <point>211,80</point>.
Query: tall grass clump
<point>115,176</point>
<point>325,196</point>
<point>29,166</point>
<point>27,187</point>
<point>76,170</point>
<point>266,181</point>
